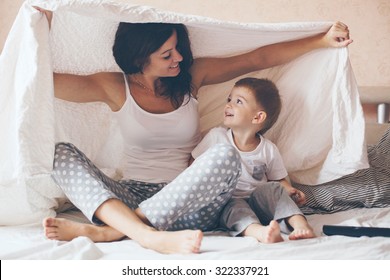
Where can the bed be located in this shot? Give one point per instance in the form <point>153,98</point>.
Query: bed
<point>27,242</point>
<point>21,233</point>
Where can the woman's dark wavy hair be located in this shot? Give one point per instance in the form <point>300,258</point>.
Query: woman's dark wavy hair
<point>135,42</point>
<point>267,96</point>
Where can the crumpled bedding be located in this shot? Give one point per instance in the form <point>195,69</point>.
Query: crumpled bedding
<point>320,132</point>
<point>368,188</point>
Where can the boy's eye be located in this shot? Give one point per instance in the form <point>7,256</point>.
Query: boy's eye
<point>228,99</point>
<point>239,101</point>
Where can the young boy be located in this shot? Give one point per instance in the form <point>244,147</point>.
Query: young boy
<point>263,197</point>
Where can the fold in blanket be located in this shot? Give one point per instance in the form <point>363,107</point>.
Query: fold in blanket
<point>320,132</point>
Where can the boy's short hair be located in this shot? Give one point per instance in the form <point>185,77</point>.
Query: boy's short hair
<point>267,95</point>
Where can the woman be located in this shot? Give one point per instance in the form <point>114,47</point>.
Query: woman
<point>161,204</point>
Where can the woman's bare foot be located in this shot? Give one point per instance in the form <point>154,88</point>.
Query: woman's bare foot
<point>171,242</point>
<point>264,234</point>
<point>185,242</point>
<point>66,230</point>
<point>181,242</point>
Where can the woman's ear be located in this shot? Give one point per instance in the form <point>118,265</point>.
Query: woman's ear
<point>259,117</point>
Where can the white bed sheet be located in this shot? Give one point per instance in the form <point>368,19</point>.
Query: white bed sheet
<point>28,242</point>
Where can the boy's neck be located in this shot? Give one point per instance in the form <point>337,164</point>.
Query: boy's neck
<point>246,141</point>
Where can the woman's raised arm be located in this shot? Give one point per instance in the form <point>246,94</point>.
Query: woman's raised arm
<point>81,89</point>
<point>206,71</point>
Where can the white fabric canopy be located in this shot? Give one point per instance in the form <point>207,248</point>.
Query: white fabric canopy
<point>320,132</point>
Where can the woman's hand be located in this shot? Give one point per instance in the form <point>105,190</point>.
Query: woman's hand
<point>207,71</point>
<point>337,36</point>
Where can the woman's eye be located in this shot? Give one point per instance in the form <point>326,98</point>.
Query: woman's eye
<point>167,57</point>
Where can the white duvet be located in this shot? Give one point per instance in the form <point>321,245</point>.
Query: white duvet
<point>320,132</point>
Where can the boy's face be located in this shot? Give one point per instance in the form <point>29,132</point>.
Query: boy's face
<point>241,108</point>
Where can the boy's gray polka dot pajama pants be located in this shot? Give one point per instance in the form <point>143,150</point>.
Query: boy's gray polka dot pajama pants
<point>194,200</point>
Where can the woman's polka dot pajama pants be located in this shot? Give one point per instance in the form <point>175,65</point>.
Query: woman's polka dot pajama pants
<point>194,200</point>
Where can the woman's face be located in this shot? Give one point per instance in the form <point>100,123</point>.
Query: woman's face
<point>165,61</point>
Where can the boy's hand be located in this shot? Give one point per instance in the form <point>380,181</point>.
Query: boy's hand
<point>298,196</point>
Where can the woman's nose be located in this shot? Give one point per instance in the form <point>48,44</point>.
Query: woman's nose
<point>177,57</point>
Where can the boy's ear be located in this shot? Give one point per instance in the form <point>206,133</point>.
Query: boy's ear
<point>259,117</point>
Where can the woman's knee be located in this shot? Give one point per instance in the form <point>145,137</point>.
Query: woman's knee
<point>62,148</point>
<point>68,161</point>
<point>63,152</point>
<point>227,157</point>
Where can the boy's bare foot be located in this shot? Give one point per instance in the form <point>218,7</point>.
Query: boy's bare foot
<point>182,242</point>
<point>66,230</point>
<point>301,233</point>
<point>302,229</point>
<point>264,234</point>
<point>171,242</point>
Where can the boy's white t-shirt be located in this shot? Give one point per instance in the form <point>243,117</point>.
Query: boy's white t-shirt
<point>258,166</point>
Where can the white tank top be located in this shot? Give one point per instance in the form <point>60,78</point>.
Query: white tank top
<point>157,147</point>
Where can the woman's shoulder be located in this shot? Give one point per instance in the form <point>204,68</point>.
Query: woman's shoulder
<point>197,73</point>
<point>112,83</point>
<point>104,87</point>
<point>114,86</point>
<point>111,87</point>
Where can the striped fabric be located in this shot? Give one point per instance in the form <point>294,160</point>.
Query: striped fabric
<point>365,188</point>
